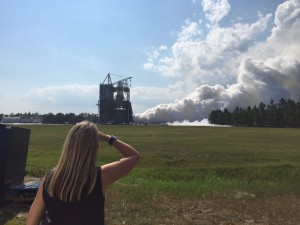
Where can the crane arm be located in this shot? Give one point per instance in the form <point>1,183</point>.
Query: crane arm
<point>127,78</point>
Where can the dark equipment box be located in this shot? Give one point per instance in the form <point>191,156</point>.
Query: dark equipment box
<point>14,143</point>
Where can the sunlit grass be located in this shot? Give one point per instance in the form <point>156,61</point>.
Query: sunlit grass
<point>189,161</point>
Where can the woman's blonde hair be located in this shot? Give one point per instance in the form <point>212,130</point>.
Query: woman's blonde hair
<point>75,172</point>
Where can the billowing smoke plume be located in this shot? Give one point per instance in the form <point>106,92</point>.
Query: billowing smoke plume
<point>264,70</point>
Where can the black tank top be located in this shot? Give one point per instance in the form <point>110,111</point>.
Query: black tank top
<point>88,211</point>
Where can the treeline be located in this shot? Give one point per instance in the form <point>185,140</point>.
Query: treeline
<point>58,118</point>
<point>284,113</point>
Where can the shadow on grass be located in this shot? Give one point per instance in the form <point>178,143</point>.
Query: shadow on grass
<point>16,211</point>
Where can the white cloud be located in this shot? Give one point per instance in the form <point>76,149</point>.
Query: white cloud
<point>190,31</point>
<point>215,10</point>
<point>167,93</point>
<point>207,59</point>
<point>75,98</point>
<point>257,71</point>
<point>275,78</point>
<point>70,88</point>
<point>286,16</point>
<point>153,54</point>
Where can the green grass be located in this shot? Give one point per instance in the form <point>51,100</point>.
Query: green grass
<point>190,161</point>
<point>180,165</point>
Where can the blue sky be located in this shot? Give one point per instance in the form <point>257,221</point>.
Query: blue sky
<point>54,54</point>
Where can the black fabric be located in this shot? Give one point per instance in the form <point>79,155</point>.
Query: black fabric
<point>88,211</point>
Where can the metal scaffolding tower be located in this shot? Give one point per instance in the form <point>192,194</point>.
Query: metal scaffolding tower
<point>114,106</point>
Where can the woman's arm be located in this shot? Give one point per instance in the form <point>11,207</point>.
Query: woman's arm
<point>37,209</point>
<point>116,170</point>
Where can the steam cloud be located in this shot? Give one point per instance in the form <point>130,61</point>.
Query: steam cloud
<point>259,70</point>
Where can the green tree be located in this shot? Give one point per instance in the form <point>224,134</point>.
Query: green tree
<point>249,117</point>
<point>262,114</point>
<point>48,118</point>
<point>60,118</point>
<point>256,117</point>
<point>236,116</point>
<point>226,117</point>
<point>70,118</point>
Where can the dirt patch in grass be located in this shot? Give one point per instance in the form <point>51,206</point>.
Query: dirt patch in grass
<point>240,208</point>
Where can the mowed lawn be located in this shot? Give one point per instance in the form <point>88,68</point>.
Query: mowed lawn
<point>191,175</point>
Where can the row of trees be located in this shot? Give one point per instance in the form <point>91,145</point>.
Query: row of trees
<point>284,113</point>
<point>58,118</point>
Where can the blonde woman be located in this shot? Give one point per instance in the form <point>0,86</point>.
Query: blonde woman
<point>74,192</point>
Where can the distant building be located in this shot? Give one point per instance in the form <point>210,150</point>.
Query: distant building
<point>20,119</point>
<point>10,119</point>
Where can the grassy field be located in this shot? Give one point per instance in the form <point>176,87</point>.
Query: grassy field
<point>190,175</point>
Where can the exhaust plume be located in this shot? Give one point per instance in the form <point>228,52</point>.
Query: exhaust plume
<point>260,71</point>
